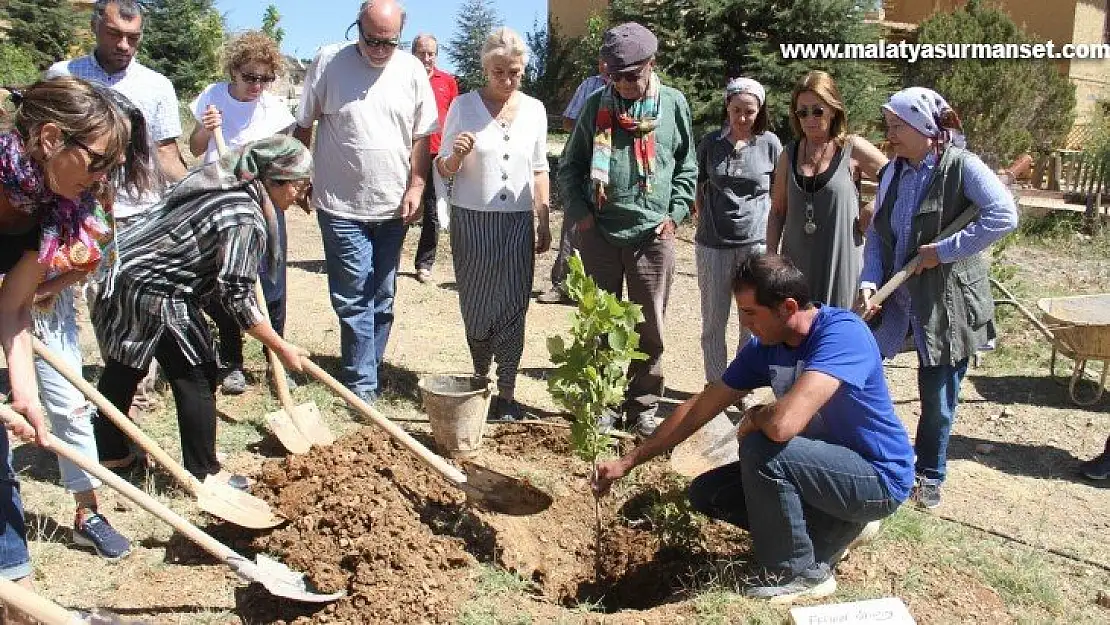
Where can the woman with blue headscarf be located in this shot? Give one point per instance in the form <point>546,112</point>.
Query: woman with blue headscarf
<point>947,306</point>
<point>202,243</point>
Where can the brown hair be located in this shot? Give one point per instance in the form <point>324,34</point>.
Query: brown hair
<point>822,85</point>
<point>762,122</point>
<point>252,47</point>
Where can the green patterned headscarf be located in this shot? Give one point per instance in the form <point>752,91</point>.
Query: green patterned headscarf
<point>279,158</point>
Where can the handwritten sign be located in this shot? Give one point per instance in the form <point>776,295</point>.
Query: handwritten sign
<point>888,611</point>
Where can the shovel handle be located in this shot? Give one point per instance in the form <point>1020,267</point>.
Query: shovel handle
<point>904,273</point>
<point>31,603</point>
<point>436,462</point>
<point>130,491</point>
<point>121,421</point>
<point>277,370</point>
<point>221,144</point>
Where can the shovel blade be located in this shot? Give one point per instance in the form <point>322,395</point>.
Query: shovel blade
<point>283,581</point>
<point>501,493</point>
<point>288,434</point>
<point>233,505</point>
<point>311,424</point>
<point>713,446</point>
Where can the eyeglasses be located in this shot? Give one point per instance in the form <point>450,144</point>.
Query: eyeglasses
<point>257,79</point>
<point>628,75</point>
<point>375,42</point>
<point>98,161</point>
<point>804,112</point>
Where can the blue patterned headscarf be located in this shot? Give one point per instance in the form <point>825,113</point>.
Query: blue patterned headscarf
<point>929,113</point>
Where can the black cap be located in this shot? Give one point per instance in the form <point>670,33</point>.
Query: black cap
<point>627,45</point>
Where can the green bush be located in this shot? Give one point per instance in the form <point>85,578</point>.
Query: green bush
<point>17,68</point>
<point>1007,106</point>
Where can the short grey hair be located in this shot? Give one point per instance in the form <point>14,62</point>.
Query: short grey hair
<point>128,10</point>
<point>366,4</point>
<point>417,39</point>
<point>504,42</point>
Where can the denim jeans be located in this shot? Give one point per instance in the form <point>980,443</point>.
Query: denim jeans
<point>70,413</point>
<point>939,388</point>
<point>15,559</point>
<point>362,259</point>
<point>802,501</point>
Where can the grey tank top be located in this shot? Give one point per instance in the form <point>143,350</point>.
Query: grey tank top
<point>832,256</point>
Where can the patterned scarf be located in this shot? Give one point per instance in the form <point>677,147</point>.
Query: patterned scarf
<point>73,231</point>
<point>640,119</point>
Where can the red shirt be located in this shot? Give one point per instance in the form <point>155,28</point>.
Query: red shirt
<point>446,90</point>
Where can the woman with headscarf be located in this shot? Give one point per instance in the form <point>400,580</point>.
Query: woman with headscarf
<point>203,242</point>
<point>947,305</point>
<point>71,144</point>
<point>735,166</point>
<point>815,208</point>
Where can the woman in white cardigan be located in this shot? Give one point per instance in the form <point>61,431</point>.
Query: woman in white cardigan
<point>494,157</point>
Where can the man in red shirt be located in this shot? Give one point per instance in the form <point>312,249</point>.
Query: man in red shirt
<point>426,48</point>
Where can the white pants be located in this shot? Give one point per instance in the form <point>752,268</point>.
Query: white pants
<point>716,269</point>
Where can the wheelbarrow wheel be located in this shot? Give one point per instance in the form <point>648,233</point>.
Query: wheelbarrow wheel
<point>1077,376</point>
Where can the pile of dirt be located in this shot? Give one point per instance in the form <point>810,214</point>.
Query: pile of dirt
<point>357,510</point>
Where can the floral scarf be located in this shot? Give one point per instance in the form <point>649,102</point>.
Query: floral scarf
<point>640,119</point>
<point>73,231</point>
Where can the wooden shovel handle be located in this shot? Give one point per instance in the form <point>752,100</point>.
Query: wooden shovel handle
<point>436,462</point>
<point>121,421</point>
<point>277,370</point>
<point>903,274</point>
<point>130,491</point>
<point>221,144</point>
<point>35,605</point>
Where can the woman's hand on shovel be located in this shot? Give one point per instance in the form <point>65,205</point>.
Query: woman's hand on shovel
<point>17,423</point>
<point>291,355</point>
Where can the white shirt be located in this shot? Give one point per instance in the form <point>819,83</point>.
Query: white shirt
<point>369,118</point>
<point>150,91</point>
<point>498,174</point>
<point>243,122</point>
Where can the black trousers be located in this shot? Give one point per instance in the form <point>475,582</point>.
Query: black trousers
<point>429,227</point>
<point>230,341</point>
<point>193,394</point>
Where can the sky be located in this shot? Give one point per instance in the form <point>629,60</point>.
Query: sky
<point>309,24</point>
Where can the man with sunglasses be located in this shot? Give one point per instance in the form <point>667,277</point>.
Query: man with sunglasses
<point>376,113</point>
<point>627,177</point>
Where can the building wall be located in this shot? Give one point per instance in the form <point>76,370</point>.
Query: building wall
<point>571,15</point>
<point>1045,19</point>
<point>1091,76</point>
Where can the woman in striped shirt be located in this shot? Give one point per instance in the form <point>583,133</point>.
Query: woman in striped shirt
<point>203,242</point>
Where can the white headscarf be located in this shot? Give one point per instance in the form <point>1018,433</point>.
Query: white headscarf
<point>745,85</point>
<point>922,108</point>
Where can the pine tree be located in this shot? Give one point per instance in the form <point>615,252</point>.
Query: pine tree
<point>43,29</point>
<point>475,21</point>
<point>17,68</point>
<point>703,43</point>
<point>270,26</point>
<point>1007,106</point>
<point>181,39</point>
<point>550,68</point>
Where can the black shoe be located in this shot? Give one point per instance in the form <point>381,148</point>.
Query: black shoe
<point>504,411</point>
<point>1096,468</point>
<point>927,492</point>
<point>554,295</point>
<point>95,531</point>
<point>235,382</point>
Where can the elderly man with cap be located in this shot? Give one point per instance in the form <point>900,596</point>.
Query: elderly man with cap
<point>735,165</point>
<point>627,179</point>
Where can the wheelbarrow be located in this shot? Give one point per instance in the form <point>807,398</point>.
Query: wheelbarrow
<point>1078,327</point>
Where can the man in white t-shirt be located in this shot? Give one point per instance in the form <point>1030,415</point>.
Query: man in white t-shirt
<point>376,111</point>
<point>118,28</point>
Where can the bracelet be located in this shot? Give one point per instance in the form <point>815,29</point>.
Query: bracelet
<point>448,168</point>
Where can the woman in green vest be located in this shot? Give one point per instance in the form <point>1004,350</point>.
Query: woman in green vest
<point>947,305</point>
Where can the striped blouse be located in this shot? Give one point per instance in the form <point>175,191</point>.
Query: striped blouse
<point>189,249</point>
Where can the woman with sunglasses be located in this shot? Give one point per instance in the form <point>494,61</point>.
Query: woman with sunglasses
<point>203,242</point>
<point>947,306</point>
<point>735,167</point>
<point>60,161</point>
<point>815,212</point>
<point>244,111</point>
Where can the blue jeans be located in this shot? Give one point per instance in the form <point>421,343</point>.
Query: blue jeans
<point>362,262</point>
<point>70,413</point>
<point>802,501</point>
<point>939,388</point>
<point>15,559</point>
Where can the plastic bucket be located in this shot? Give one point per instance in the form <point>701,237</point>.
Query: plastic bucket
<point>456,405</point>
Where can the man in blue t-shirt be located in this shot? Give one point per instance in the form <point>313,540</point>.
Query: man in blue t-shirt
<point>825,459</point>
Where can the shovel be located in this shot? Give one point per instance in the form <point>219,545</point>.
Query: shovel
<point>34,605</point>
<point>483,487</point>
<point>277,578</point>
<point>213,496</point>
<point>297,427</point>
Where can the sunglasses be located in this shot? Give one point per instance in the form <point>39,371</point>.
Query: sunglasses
<point>628,75</point>
<point>98,161</point>
<point>803,112</point>
<point>375,42</point>
<point>257,79</point>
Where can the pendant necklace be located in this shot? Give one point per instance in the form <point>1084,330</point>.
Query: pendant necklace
<point>810,226</point>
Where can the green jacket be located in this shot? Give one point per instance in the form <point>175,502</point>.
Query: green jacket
<point>953,302</point>
<point>629,216</point>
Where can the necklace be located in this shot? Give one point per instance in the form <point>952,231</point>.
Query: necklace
<point>502,112</point>
<point>810,184</point>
